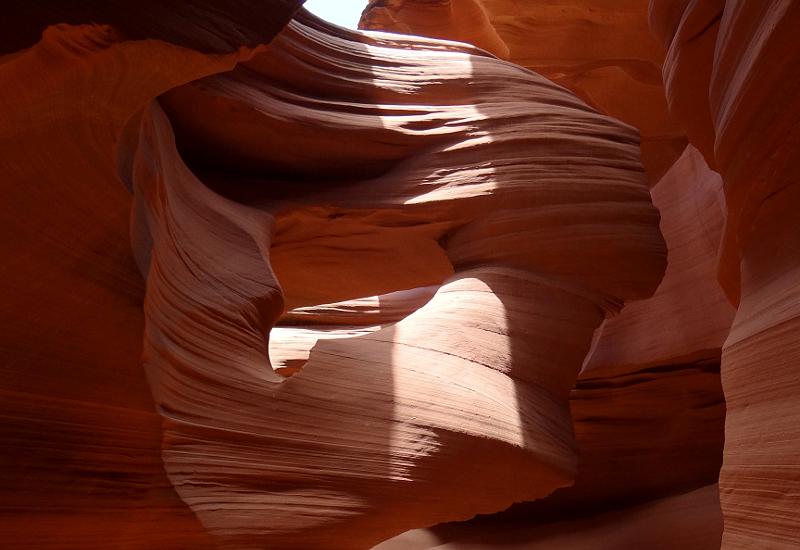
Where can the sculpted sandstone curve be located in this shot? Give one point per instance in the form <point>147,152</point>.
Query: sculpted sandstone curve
<point>749,133</point>
<point>649,392</point>
<point>687,520</point>
<point>602,51</point>
<point>381,278</point>
<point>499,188</point>
<point>81,438</point>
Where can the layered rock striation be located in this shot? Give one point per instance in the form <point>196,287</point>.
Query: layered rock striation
<point>602,51</point>
<point>741,108</point>
<point>270,283</point>
<point>81,459</point>
<point>503,190</point>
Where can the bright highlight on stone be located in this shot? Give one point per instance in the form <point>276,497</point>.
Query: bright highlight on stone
<point>271,283</point>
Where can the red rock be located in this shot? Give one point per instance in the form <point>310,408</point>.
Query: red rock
<point>511,326</point>
<point>393,281</point>
<point>691,520</point>
<point>689,317</point>
<point>602,51</point>
<point>464,21</point>
<point>81,462</point>
<point>631,408</point>
<point>300,329</point>
<point>750,135</point>
<point>649,395</point>
<point>627,425</point>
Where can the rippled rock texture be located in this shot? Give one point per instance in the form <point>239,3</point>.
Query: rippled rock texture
<point>602,51</point>
<point>273,284</point>
<point>81,461</point>
<point>741,107</point>
<point>433,164</point>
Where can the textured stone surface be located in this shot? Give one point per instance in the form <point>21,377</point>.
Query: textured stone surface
<point>386,282</point>
<point>334,454</point>
<point>689,317</point>
<point>81,460</point>
<point>602,51</point>
<point>465,21</point>
<point>723,62</point>
<point>691,520</point>
<point>649,397</point>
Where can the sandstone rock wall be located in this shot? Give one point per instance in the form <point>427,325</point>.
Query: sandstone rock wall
<point>81,438</point>
<point>430,174</point>
<point>741,106</point>
<point>448,169</point>
<point>270,283</point>
<point>602,51</point>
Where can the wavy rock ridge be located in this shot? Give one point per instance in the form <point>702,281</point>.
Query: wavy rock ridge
<point>602,51</point>
<point>744,122</point>
<point>738,109</point>
<point>82,443</point>
<point>387,282</point>
<point>483,369</point>
<point>239,443</point>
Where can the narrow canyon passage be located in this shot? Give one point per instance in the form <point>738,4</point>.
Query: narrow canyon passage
<point>416,274</point>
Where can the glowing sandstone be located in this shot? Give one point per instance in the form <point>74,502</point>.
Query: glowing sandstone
<point>689,317</point>
<point>332,455</point>
<point>749,133</point>
<point>477,191</point>
<point>601,50</point>
<point>81,457</point>
<point>422,241</point>
<point>649,394</point>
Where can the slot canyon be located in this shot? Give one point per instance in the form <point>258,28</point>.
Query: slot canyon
<point>477,275</point>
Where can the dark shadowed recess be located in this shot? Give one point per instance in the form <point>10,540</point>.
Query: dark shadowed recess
<point>228,130</point>
<point>204,25</point>
<point>621,473</point>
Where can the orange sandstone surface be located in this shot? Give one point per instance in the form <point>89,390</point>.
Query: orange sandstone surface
<point>601,50</point>
<point>510,275</point>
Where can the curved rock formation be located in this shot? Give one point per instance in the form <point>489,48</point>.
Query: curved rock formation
<point>508,192</point>
<point>649,395</point>
<point>749,133</point>
<point>602,51</point>
<point>384,276</point>
<point>689,317</point>
<point>301,328</point>
<point>81,462</point>
<point>198,25</point>
<point>333,454</point>
<point>690,520</point>
<point>463,21</point>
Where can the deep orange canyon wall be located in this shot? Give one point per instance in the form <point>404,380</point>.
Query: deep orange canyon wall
<point>416,158</point>
<point>333,455</point>
<point>81,460</point>
<point>738,107</point>
<point>270,283</point>
<point>602,51</point>
<point>731,73</point>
